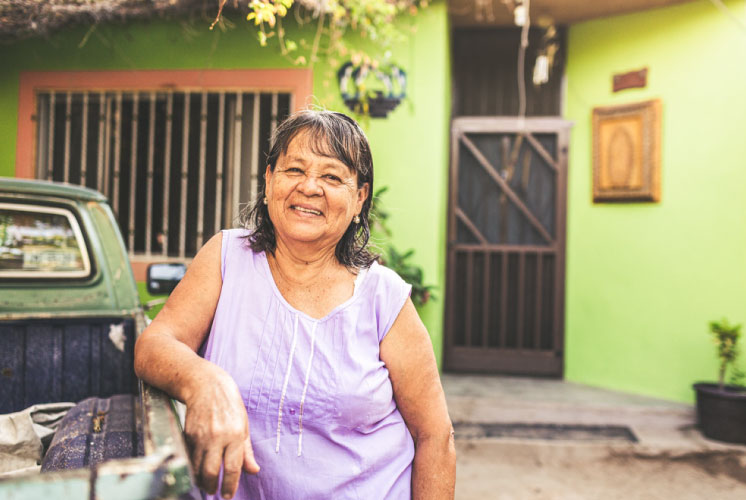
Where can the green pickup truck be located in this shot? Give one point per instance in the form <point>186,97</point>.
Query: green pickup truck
<point>69,317</point>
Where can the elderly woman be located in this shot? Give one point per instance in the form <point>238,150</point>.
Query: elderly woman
<point>300,359</point>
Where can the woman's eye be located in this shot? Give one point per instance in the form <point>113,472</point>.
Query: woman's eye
<point>333,178</point>
<point>294,170</point>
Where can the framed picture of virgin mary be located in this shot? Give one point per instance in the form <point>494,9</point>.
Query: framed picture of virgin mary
<point>626,152</point>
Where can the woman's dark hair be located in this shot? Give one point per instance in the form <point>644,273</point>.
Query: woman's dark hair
<point>333,135</point>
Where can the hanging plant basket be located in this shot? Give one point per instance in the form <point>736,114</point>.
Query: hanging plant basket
<point>377,107</point>
<point>376,103</point>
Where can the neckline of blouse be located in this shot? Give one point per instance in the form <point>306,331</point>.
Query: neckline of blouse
<point>357,292</point>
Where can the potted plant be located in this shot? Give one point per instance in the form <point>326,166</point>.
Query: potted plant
<point>721,408</point>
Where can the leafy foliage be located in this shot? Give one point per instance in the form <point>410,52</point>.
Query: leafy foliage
<point>726,338</point>
<point>396,260</point>
<point>411,273</point>
<point>370,19</point>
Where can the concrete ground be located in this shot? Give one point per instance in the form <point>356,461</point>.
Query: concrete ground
<point>669,460</point>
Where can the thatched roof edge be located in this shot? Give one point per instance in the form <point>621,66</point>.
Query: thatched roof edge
<point>21,19</point>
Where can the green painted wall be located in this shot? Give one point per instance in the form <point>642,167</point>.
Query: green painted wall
<point>644,279</point>
<point>410,147</point>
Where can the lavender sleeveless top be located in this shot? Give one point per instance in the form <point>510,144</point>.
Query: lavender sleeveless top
<point>323,420</point>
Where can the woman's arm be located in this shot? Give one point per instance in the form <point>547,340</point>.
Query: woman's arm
<point>216,427</point>
<point>408,354</point>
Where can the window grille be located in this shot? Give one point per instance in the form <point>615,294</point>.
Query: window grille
<point>176,166</point>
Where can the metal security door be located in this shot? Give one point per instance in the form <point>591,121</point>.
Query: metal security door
<point>506,246</point>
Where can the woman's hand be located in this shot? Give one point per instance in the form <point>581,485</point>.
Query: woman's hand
<point>217,428</point>
<point>217,433</point>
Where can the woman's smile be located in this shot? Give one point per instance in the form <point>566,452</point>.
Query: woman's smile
<point>306,210</point>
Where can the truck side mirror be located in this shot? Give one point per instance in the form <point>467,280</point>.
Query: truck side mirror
<point>163,278</point>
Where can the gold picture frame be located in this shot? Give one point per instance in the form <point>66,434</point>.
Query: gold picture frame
<point>626,152</point>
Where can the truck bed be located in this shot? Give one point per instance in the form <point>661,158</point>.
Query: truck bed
<point>68,359</point>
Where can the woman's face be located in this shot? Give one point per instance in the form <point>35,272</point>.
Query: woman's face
<point>312,198</point>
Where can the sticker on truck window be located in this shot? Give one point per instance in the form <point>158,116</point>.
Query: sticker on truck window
<point>41,242</point>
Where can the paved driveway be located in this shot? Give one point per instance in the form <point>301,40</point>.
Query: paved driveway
<point>561,447</point>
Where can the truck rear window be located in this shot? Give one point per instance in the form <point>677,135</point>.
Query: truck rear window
<point>41,242</point>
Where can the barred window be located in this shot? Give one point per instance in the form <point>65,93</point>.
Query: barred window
<point>175,165</point>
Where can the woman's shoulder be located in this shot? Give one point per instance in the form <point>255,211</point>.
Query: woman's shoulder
<point>237,234</point>
<point>236,240</point>
<point>237,248</point>
<point>383,275</point>
<point>387,292</point>
<point>385,283</point>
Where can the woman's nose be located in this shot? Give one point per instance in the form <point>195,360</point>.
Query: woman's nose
<point>310,186</point>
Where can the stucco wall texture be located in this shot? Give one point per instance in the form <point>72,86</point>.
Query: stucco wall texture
<point>644,279</point>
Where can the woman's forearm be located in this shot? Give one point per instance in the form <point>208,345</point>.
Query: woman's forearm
<point>170,365</point>
<point>434,468</point>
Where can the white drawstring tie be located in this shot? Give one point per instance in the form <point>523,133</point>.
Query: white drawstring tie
<point>285,383</point>
<point>305,385</point>
<point>305,388</point>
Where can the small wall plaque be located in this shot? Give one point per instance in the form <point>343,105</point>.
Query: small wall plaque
<point>626,152</point>
<point>630,80</point>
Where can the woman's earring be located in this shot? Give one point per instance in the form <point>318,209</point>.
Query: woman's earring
<point>265,200</point>
<point>356,219</point>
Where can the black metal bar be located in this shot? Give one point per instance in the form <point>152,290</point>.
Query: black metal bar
<point>486,301</point>
<point>521,289</point>
<point>468,295</point>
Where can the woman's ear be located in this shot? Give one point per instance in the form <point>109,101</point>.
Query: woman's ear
<point>267,178</point>
<point>362,195</point>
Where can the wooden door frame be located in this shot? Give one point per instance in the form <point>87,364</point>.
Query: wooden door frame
<point>456,357</point>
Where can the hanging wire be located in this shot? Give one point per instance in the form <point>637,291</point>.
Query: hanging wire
<point>522,63</point>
